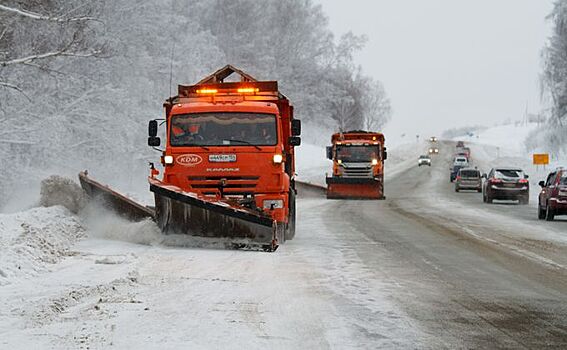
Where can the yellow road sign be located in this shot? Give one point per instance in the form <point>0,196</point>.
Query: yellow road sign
<point>541,159</point>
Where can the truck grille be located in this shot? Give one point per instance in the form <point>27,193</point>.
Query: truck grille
<point>359,170</point>
<point>236,185</point>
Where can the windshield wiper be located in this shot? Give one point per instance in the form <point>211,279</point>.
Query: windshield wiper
<point>245,142</point>
<point>196,145</point>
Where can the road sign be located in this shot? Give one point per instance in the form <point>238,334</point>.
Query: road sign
<point>541,159</point>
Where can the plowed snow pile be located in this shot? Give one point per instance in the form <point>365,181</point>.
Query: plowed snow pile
<point>32,240</point>
<point>58,190</point>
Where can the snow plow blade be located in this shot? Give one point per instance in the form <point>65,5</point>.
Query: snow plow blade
<point>354,188</point>
<point>181,212</point>
<point>113,200</point>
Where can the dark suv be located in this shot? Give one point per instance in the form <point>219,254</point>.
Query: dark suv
<point>506,183</point>
<point>553,195</point>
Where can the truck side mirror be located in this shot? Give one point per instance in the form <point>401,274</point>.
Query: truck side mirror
<point>296,127</point>
<point>526,176</point>
<point>152,128</point>
<point>542,184</point>
<point>330,152</point>
<point>154,141</point>
<point>295,141</point>
<point>384,154</point>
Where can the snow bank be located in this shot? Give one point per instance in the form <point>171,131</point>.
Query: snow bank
<point>32,240</point>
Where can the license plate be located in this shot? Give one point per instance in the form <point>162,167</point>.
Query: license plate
<point>510,185</point>
<point>222,158</point>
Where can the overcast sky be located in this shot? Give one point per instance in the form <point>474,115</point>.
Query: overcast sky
<point>447,63</point>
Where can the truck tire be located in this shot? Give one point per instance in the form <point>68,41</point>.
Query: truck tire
<point>290,227</point>
<point>549,214</point>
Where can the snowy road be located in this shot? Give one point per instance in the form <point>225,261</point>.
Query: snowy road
<point>427,268</point>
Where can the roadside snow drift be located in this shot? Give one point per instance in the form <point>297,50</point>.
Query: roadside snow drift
<point>32,240</point>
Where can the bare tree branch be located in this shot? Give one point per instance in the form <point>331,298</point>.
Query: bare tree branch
<point>14,87</point>
<point>63,52</point>
<point>41,17</point>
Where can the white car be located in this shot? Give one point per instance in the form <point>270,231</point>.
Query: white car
<point>424,160</point>
<point>461,161</point>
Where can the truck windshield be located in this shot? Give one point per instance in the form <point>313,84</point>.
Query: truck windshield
<point>223,128</point>
<point>358,153</point>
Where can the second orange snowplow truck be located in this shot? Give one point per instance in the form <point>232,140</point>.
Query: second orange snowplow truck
<point>358,165</point>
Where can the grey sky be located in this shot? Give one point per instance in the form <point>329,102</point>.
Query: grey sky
<point>449,63</point>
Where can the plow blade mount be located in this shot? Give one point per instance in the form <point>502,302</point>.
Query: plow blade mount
<point>354,188</point>
<point>180,212</point>
<point>113,200</point>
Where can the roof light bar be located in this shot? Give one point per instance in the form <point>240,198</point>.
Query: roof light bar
<point>207,91</point>
<point>248,90</point>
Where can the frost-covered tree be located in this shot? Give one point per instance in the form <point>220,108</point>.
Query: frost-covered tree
<point>79,79</point>
<point>554,78</point>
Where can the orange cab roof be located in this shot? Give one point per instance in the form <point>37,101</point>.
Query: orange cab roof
<point>244,106</point>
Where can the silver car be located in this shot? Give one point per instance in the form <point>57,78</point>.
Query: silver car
<point>468,179</point>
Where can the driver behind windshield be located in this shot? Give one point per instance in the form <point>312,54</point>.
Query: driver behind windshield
<point>219,129</point>
<point>357,153</point>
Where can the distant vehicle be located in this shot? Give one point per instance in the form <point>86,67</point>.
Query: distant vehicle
<point>506,184</point>
<point>433,139</point>
<point>454,171</point>
<point>460,144</point>
<point>553,195</point>
<point>461,160</point>
<point>434,150</point>
<point>462,154</point>
<point>468,179</point>
<point>424,160</point>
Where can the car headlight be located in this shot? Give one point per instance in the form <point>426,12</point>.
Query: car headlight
<point>374,161</point>
<point>168,159</point>
<point>272,204</point>
<point>278,158</point>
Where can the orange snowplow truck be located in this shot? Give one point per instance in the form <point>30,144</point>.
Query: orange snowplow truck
<point>229,161</point>
<point>358,165</point>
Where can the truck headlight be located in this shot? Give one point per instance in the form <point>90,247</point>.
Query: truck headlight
<point>278,158</point>
<point>374,161</point>
<point>272,204</point>
<point>168,159</point>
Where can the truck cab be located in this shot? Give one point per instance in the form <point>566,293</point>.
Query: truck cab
<point>233,141</point>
